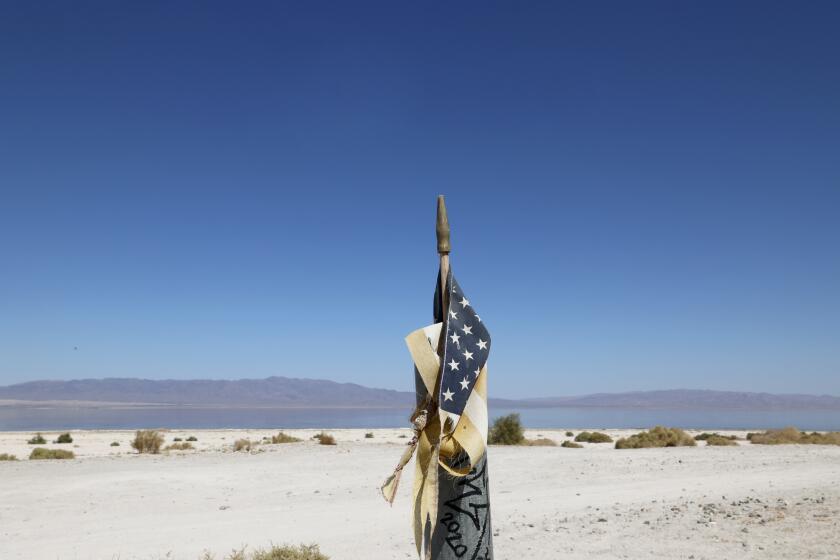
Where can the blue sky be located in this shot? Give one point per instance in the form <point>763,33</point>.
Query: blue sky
<point>643,195</point>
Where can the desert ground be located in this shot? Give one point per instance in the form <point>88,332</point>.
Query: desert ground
<point>749,501</point>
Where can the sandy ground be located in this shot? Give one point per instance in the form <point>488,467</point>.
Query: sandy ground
<point>750,501</point>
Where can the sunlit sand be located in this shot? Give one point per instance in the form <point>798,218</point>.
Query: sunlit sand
<point>749,501</point>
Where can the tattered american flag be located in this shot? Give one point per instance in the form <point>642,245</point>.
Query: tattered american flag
<point>465,355</point>
<point>450,502</point>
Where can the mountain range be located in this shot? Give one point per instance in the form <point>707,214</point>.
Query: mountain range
<point>292,392</point>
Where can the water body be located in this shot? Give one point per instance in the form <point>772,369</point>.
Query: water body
<point>29,418</point>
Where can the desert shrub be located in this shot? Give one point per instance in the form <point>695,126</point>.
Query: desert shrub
<point>177,439</point>
<point>706,435</point>
<point>827,438</point>
<point>506,430</point>
<point>657,437</point>
<point>7,457</point>
<point>180,446</point>
<point>540,442</point>
<point>64,438</point>
<point>325,439</point>
<point>289,553</point>
<point>571,445</point>
<point>147,441</point>
<point>369,435</point>
<point>283,437</point>
<point>593,437</point>
<point>242,445</point>
<point>792,435</point>
<point>716,439</point>
<point>37,439</point>
<point>115,444</point>
<point>192,438</point>
<point>43,453</point>
<point>570,434</point>
<point>302,552</point>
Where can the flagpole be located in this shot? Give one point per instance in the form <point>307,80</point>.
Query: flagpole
<point>461,519</point>
<point>443,248</point>
<point>451,508</point>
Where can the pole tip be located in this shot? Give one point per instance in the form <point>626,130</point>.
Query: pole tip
<point>442,227</point>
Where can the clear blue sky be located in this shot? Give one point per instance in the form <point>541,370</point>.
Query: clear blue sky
<point>643,195</point>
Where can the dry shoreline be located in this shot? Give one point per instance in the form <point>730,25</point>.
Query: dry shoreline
<point>748,501</point>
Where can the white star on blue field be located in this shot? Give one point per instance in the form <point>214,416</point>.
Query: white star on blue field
<point>465,353</point>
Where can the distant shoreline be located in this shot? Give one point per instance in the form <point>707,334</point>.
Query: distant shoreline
<point>499,403</point>
<point>287,393</point>
<point>81,415</point>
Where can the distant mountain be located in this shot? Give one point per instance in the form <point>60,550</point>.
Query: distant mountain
<point>273,391</point>
<point>290,392</point>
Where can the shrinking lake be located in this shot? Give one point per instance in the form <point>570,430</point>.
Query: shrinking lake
<point>47,418</point>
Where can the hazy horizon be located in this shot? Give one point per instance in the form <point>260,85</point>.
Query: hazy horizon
<point>410,391</point>
<point>193,191</point>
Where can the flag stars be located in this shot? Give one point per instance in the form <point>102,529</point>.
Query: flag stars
<point>463,360</point>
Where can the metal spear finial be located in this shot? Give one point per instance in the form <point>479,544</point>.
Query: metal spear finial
<point>442,227</point>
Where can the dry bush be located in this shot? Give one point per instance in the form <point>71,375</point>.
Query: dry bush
<point>325,439</point>
<point>37,439</point>
<point>40,453</point>
<point>792,435</point>
<point>234,555</point>
<point>570,434</point>
<point>242,445</point>
<point>64,438</point>
<point>177,439</point>
<point>7,457</point>
<point>369,435</point>
<point>192,438</point>
<point>571,445</point>
<point>719,440</point>
<point>283,437</point>
<point>540,442</point>
<point>593,437</point>
<point>506,430</point>
<point>147,441</point>
<point>826,438</point>
<point>301,552</point>
<point>180,446</point>
<point>706,435</point>
<point>657,437</point>
<point>115,444</point>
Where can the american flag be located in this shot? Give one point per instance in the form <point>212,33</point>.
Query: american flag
<point>450,480</point>
<point>466,350</point>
